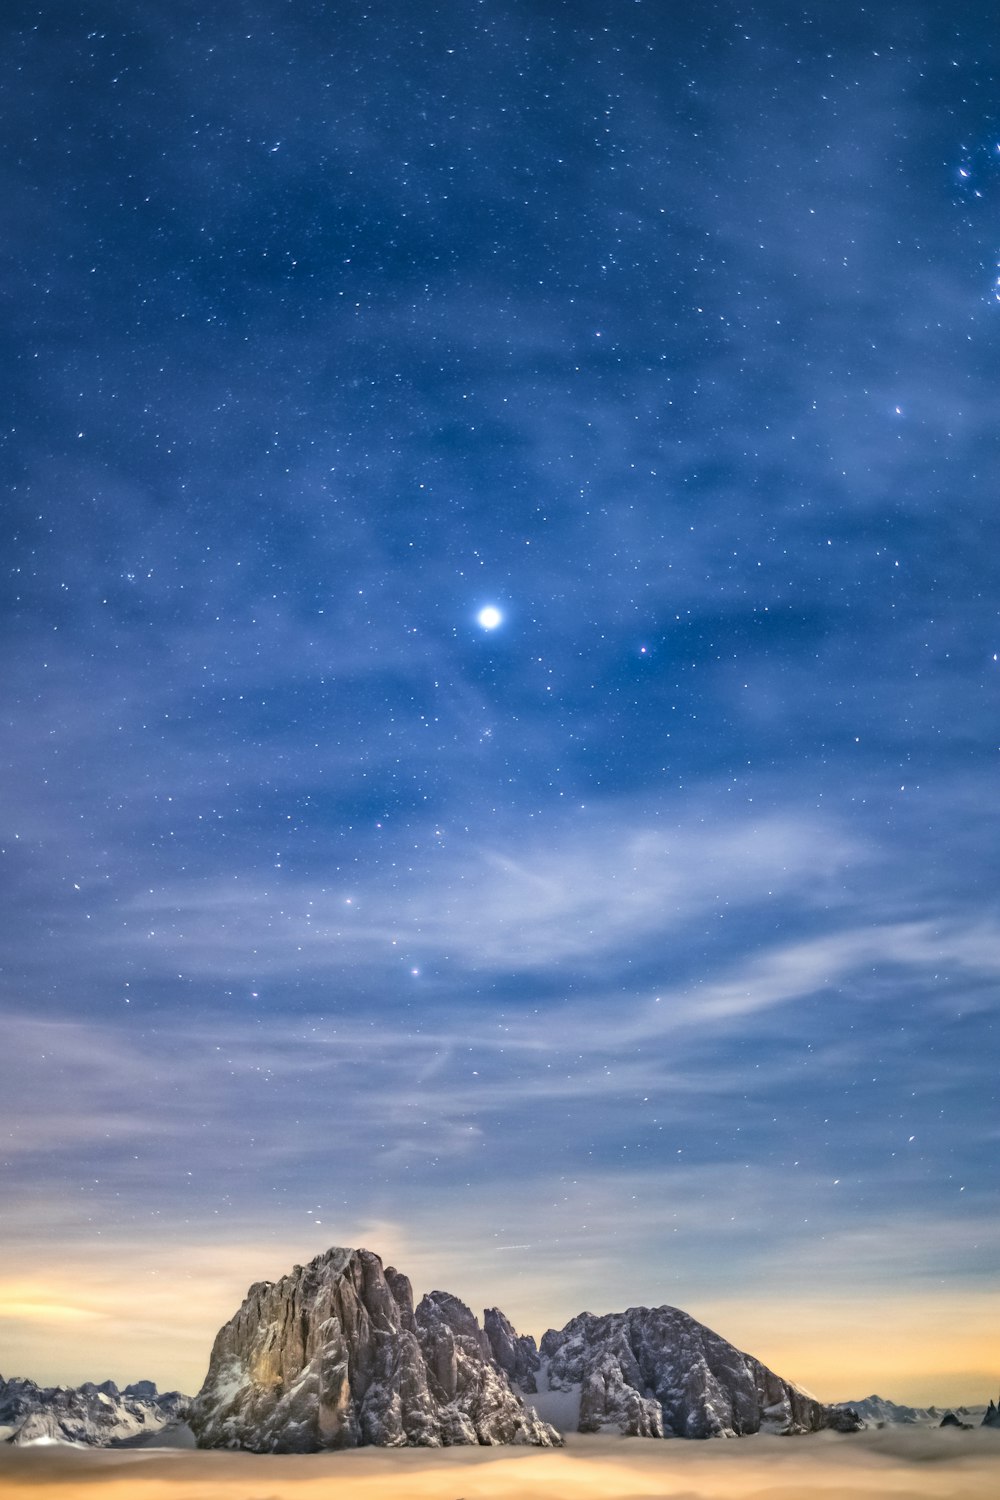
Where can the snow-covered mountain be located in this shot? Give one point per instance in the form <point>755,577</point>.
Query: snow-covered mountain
<point>877,1411</point>
<point>657,1372</point>
<point>99,1416</point>
<point>334,1355</point>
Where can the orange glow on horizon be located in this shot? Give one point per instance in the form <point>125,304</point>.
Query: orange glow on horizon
<point>63,1325</point>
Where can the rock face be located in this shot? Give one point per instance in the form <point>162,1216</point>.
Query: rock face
<point>99,1416</point>
<point>991,1417</point>
<point>656,1372</point>
<point>517,1355</point>
<point>335,1356</point>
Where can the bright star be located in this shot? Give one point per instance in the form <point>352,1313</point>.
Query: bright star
<point>490,617</point>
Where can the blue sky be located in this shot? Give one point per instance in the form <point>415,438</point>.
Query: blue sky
<point>642,946</point>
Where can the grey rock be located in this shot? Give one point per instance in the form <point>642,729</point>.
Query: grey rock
<point>991,1417</point>
<point>99,1416</point>
<point>334,1355</point>
<point>42,1426</point>
<point>141,1390</point>
<point>950,1420</point>
<point>517,1355</point>
<point>657,1372</point>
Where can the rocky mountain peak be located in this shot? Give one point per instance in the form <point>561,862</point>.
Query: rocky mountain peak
<point>658,1372</point>
<point>334,1356</point>
<point>516,1354</point>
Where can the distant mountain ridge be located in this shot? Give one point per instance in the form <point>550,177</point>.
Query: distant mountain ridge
<point>335,1355</point>
<point>876,1411</point>
<point>100,1416</point>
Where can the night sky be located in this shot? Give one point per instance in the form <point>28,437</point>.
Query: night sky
<point>637,941</point>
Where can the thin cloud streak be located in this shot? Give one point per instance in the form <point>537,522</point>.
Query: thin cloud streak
<point>595,887</point>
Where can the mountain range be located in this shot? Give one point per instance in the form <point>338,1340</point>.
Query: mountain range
<point>99,1416</point>
<point>336,1355</point>
<point>876,1411</point>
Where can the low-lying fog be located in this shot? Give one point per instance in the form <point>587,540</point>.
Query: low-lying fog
<point>907,1465</point>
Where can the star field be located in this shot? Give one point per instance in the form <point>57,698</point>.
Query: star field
<point>500,633</point>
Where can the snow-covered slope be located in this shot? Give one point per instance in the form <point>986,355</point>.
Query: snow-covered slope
<point>334,1356</point>
<point>99,1416</point>
<point>657,1372</point>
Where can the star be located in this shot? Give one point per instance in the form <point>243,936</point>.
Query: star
<point>489,617</point>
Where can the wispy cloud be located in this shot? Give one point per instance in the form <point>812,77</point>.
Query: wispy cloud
<point>592,887</point>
